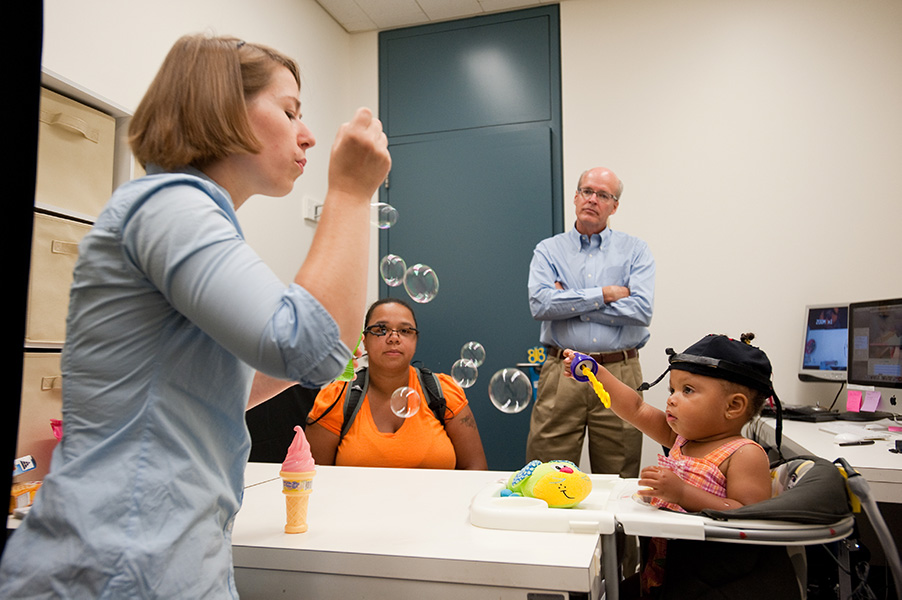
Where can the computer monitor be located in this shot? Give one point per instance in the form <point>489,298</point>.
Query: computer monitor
<point>825,351</point>
<point>875,343</point>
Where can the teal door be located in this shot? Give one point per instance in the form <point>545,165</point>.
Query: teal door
<point>472,113</point>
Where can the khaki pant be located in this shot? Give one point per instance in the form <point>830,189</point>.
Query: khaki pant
<point>566,409</point>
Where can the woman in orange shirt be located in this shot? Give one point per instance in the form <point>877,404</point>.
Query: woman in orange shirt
<point>378,437</point>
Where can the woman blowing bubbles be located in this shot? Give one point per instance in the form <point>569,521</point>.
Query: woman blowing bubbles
<point>171,312</point>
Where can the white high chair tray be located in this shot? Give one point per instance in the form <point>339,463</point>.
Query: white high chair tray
<point>611,502</point>
<point>491,510</point>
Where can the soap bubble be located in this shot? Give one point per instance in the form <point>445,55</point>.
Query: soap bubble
<point>405,402</point>
<point>464,372</point>
<point>510,390</point>
<point>421,283</point>
<point>383,215</point>
<point>473,351</point>
<point>392,269</point>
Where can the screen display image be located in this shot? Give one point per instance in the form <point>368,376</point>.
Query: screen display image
<point>825,350</point>
<point>875,343</point>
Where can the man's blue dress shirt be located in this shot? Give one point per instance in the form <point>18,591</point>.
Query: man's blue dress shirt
<point>576,316</point>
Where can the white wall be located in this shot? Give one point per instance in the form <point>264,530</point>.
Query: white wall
<point>759,145</point>
<point>759,142</point>
<point>115,48</point>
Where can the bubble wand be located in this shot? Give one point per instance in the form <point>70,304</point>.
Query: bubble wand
<point>583,368</point>
<point>348,374</point>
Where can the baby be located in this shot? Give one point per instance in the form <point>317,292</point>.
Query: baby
<point>716,386</point>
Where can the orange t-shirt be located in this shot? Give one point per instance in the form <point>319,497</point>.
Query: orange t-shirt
<point>421,442</point>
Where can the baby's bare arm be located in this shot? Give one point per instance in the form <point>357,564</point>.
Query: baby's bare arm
<point>748,476</point>
<point>629,405</point>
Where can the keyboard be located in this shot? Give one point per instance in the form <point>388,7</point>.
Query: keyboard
<point>865,416</point>
<point>811,414</point>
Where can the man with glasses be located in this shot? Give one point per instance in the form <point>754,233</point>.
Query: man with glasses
<point>592,288</point>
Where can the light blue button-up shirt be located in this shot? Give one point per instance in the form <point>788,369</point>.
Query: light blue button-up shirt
<point>576,316</point>
<point>170,313</point>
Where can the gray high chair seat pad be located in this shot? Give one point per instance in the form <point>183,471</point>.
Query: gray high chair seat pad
<point>807,489</point>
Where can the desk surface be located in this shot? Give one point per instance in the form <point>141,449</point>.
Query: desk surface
<point>413,532</point>
<point>404,524</point>
<point>881,468</point>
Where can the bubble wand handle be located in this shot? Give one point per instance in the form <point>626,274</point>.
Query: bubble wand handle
<point>583,368</point>
<point>348,373</point>
<point>580,360</point>
<point>602,393</point>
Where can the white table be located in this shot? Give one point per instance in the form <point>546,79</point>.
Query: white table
<point>414,533</point>
<point>401,533</point>
<point>881,468</point>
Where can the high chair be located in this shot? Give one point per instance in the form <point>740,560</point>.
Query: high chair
<point>819,498</point>
<point>739,553</point>
<point>742,553</point>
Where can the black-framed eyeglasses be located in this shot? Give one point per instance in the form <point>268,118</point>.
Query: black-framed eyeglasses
<point>587,193</point>
<point>380,330</point>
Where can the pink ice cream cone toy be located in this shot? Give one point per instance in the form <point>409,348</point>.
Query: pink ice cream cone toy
<point>297,475</point>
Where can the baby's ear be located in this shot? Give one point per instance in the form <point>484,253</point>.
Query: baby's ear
<point>737,405</point>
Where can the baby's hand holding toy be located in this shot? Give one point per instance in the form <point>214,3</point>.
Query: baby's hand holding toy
<point>583,368</point>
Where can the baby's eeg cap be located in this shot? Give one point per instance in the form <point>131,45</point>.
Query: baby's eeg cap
<point>723,357</point>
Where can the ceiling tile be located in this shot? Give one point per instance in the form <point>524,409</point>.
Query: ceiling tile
<point>494,5</point>
<point>393,13</point>
<point>368,15</point>
<point>438,10</point>
<point>348,14</point>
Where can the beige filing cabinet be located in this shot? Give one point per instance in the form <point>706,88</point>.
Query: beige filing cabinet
<point>54,249</point>
<point>76,145</point>
<point>76,151</point>
<point>42,398</point>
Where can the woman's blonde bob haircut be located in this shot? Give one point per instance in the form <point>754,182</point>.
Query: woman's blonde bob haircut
<point>195,110</point>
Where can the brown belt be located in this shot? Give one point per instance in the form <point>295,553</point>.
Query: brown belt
<point>602,359</point>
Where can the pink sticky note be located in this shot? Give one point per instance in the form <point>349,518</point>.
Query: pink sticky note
<point>853,402</point>
<point>871,400</point>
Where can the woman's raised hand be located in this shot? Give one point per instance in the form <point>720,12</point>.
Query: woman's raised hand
<point>360,159</point>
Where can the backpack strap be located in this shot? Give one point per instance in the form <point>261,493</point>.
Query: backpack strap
<point>353,394</point>
<point>436,399</point>
<point>331,406</point>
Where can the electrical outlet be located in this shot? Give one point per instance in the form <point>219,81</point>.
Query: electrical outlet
<point>312,209</point>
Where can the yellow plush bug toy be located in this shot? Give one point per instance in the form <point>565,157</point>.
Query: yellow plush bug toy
<point>559,483</point>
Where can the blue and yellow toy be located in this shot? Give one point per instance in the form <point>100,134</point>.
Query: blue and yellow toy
<point>559,483</point>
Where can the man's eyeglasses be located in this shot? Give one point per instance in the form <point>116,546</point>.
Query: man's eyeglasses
<point>380,330</point>
<point>587,193</point>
